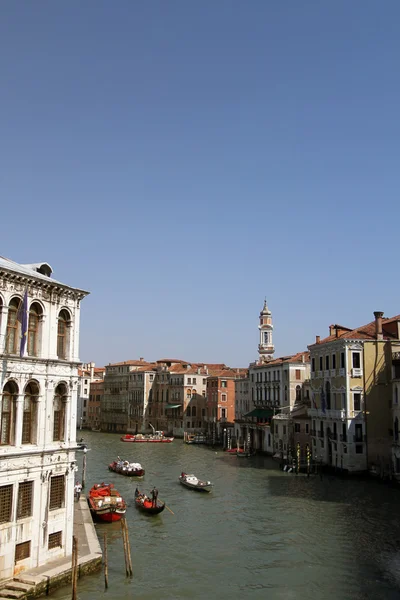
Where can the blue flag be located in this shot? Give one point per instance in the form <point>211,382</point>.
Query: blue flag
<point>22,317</point>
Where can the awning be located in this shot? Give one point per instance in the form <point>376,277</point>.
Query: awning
<point>173,405</point>
<point>261,413</point>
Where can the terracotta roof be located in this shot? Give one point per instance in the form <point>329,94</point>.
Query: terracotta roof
<point>293,358</point>
<point>365,332</point>
<point>129,362</point>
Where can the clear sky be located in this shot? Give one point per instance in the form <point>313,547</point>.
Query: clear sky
<point>181,160</point>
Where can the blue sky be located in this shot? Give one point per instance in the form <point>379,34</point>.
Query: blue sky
<point>182,160</point>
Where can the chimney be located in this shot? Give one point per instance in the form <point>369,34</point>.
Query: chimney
<point>91,371</point>
<point>331,329</point>
<point>303,358</point>
<point>198,370</point>
<point>141,358</point>
<point>337,331</point>
<point>317,339</point>
<point>378,324</point>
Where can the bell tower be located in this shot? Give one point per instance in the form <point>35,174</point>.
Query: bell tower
<point>265,347</point>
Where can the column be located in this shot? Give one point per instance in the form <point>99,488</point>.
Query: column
<point>19,410</point>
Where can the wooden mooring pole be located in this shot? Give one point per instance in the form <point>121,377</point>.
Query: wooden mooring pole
<point>105,562</point>
<point>84,468</point>
<point>127,548</point>
<point>74,567</point>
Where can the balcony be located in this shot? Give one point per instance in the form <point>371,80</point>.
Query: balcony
<point>342,372</point>
<point>356,372</point>
<point>328,414</point>
<point>333,372</point>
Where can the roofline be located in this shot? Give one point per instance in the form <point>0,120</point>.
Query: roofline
<point>48,282</point>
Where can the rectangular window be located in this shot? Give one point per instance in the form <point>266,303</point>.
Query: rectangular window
<point>22,551</point>
<point>321,363</point>
<point>57,492</point>
<point>307,427</point>
<point>25,499</point>
<point>313,365</point>
<point>357,401</point>
<point>356,358</point>
<point>284,430</point>
<point>327,362</point>
<point>358,436</point>
<point>297,427</point>
<point>194,380</point>
<point>189,380</point>
<point>204,381</point>
<point>55,540</point>
<point>223,384</point>
<point>342,361</point>
<point>223,397</point>
<point>6,495</point>
<point>359,449</point>
<point>298,374</point>
<point>333,361</point>
<point>223,413</point>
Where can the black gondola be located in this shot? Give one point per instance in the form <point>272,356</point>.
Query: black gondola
<point>146,505</point>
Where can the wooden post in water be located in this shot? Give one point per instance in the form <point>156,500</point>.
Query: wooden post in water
<point>74,567</point>
<point>105,562</point>
<point>84,468</point>
<point>125,548</point>
<point>128,547</point>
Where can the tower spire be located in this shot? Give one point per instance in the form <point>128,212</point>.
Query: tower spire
<point>266,348</point>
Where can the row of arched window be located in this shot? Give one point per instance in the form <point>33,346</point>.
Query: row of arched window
<point>34,333</point>
<point>30,420</point>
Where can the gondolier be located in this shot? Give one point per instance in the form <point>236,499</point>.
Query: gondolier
<point>154,496</point>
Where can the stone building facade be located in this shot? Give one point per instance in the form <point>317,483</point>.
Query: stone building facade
<point>39,349</point>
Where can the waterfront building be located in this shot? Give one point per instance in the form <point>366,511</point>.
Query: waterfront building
<point>352,390</point>
<point>221,391</point>
<point>242,404</point>
<point>274,386</point>
<point>39,348</point>
<point>88,373</point>
<point>179,396</point>
<point>94,404</point>
<point>140,390</point>
<point>114,412</point>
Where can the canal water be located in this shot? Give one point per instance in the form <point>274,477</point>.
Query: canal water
<point>261,533</point>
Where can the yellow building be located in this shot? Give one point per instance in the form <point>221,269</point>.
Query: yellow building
<point>351,391</point>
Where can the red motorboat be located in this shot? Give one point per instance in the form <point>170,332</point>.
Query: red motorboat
<point>157,438</point>
<point>105,503</point>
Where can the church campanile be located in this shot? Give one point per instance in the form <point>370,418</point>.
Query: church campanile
<point>266,347</point>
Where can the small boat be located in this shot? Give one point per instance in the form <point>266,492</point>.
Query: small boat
<point>105,503</point>
<point>196,438</point>
<point>244,453</point>
<point>145,504</point>
<point>124,467</point>
<point>157,437</point>
<point>192,482</point>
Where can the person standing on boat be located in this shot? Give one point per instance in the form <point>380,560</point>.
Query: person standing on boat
<point>154,496</point>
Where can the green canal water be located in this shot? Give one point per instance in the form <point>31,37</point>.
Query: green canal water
<point>261,533</point>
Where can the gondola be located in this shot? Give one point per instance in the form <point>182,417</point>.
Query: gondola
<point>145,504</point>
<point>193,483</point>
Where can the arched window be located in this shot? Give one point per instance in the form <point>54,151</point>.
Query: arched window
<point>60,399</point>
<point>193,411</point>
<point>35,313</point>
<point>188,394</point>
<point>396,429</point>
<point>29,421</point>
<point>7,425</point>
<point>13,327</point>
<point>298,393</point>
<point>188,411</point>
<point>64,323</point>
